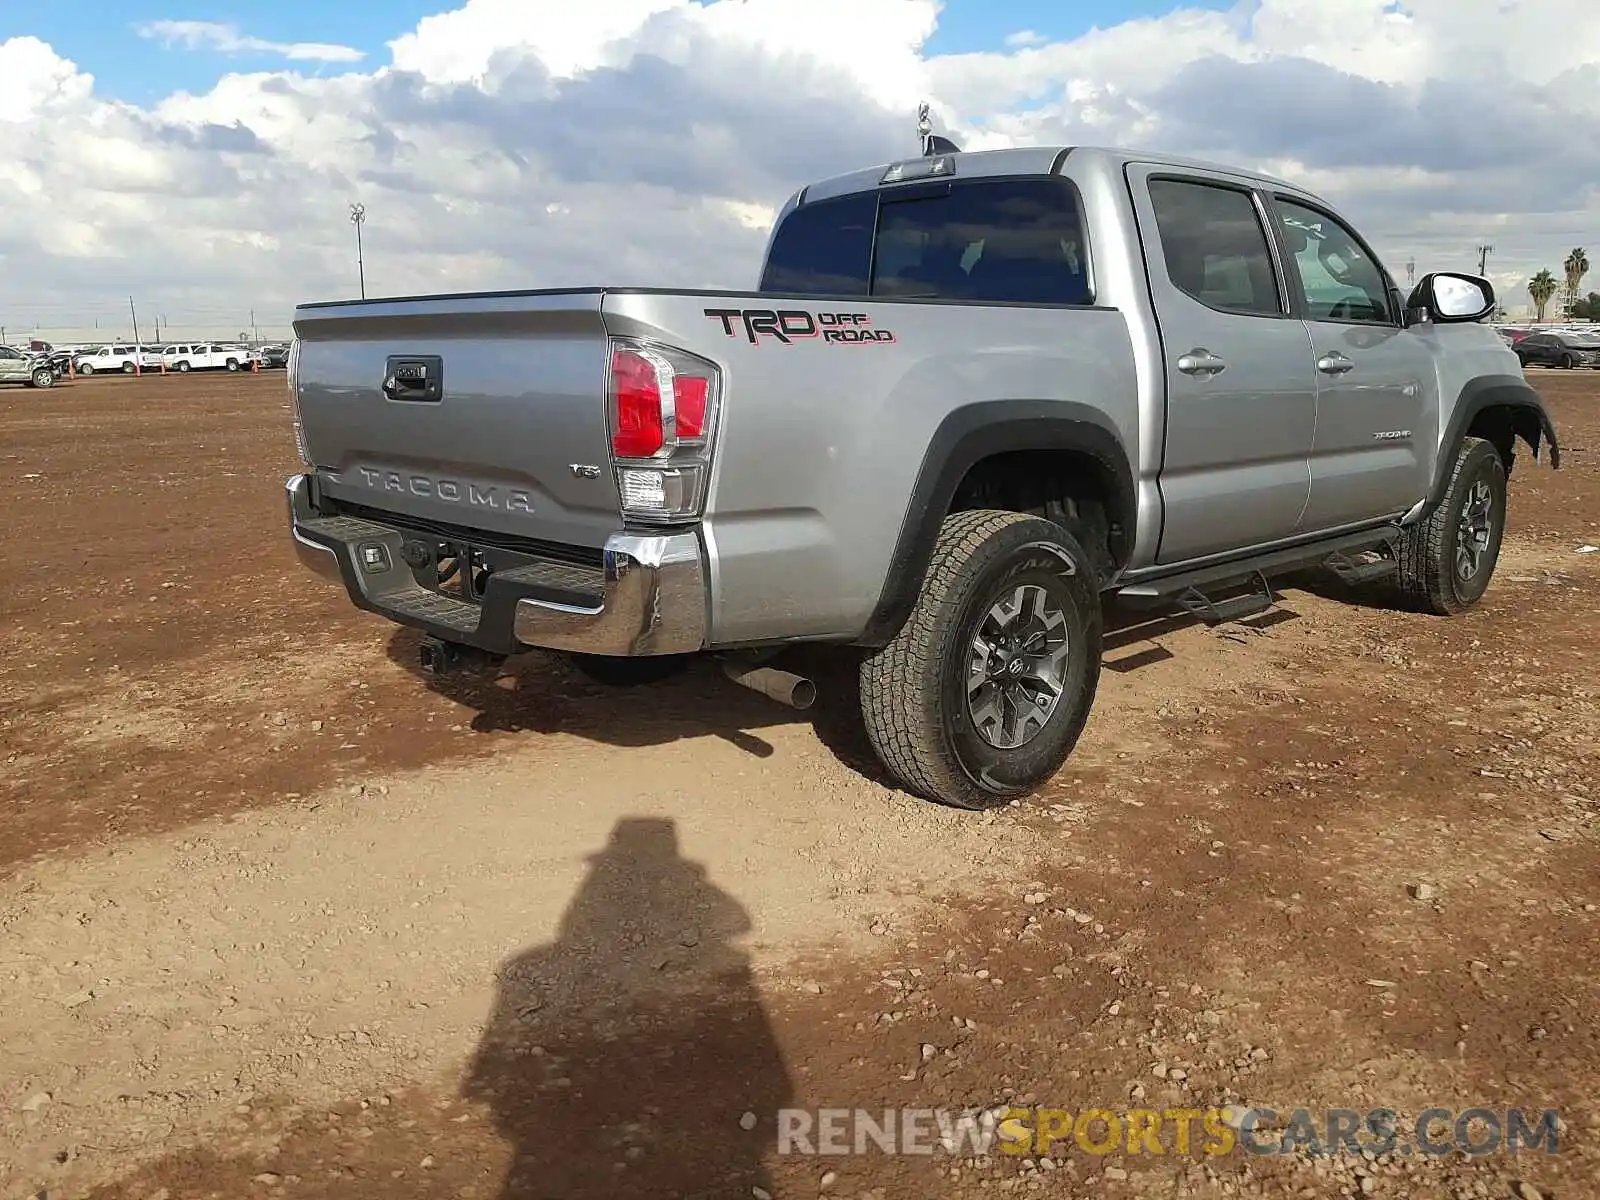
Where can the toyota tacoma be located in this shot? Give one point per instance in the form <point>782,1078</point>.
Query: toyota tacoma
<point>973,399</point>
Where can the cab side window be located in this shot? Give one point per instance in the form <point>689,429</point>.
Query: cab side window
<point>1340,279</point>
<point>1215,247</point>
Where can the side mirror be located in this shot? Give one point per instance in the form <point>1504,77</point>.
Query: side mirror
<point>1447,298</point>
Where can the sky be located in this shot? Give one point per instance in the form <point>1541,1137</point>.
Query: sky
<point>201,157</point>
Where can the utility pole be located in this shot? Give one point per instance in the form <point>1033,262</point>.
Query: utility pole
<point>255,334</point>
<point>1411,272</point>
<point>358,214</point>
<point>1483,258</point>
<point>137,357</point>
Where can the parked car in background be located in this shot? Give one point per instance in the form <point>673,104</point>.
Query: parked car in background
<point>120,356</point>
<point>25,367</point>
<point>1559,349</point>
<point>274,356</point>
<point>208,356</point>
<point>60,362</point>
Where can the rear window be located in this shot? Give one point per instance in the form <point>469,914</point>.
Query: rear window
<point>824,249</point>
<point>1014,241</point>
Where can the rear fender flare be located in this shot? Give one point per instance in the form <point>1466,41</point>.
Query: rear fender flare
<point>965,437</point>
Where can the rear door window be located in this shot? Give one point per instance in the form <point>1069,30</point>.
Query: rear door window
<point>1017,241</point>
<point>1215,247</point>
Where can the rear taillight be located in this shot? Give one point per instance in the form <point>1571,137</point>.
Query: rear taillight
<point>663,413</point>
<point>636,385</point>
<point>689,395</point>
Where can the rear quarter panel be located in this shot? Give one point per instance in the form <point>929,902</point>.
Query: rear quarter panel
<point>820,442</point>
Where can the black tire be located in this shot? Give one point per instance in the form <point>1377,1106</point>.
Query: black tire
<point>1433,563</point>
<point>43,377</point>
<point>915,701</point>
<point>630,671</point>
<point>233,364</point>
<point>1568,362</point>
<point>128,368</point>
<point>183,368</point>
<point>86,369</point>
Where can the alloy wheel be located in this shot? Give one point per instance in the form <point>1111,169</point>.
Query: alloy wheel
<point>1017,666</point>
<point>1474,530</point>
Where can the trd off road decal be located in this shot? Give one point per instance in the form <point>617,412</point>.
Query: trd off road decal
<point>791,325</point>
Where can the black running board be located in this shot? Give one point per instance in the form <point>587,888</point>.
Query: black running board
<point>1162,591</point>
<point>1209,611</point>
<point>1380,562</point>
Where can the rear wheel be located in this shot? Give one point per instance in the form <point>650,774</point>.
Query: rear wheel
<point>233,364</point>
<point>1446,561</point>
<point>183,368</point>
<point>983,693</point>
<point>43,377</point>
<point>629,671</point>
<point>127,368</point>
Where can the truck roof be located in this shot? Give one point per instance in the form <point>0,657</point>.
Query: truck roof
<point>1039,160</point>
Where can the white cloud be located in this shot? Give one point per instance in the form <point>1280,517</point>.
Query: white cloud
<point>37,83</point>
<point>215,35</point>
<point>540,143</point>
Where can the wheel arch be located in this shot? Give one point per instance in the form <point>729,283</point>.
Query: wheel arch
<point>1500,409</point>
<point>1076,441</point>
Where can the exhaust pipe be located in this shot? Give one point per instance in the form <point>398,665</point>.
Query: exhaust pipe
<point>796,691</point>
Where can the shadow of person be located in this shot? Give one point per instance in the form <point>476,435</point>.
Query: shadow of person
<point>621,1059</point>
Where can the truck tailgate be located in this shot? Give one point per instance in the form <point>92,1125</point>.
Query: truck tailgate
<point>486,411</point>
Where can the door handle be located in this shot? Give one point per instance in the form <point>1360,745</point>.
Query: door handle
<point>1335,364</point>
<point>1201,361</point>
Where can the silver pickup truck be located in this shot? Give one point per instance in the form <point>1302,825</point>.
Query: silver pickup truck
<point>974,398</point>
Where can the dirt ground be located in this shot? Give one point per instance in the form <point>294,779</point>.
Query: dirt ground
<point>282,918</point>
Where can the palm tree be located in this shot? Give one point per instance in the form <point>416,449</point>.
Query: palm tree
<point>1542,287</point>
<point>1576,267</point>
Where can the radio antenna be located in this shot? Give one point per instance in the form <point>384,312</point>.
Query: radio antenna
<point>932,143</point>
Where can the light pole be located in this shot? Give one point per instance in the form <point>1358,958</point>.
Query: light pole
<point>358,214</point>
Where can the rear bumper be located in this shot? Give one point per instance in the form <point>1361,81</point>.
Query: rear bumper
<point>648,596</point>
